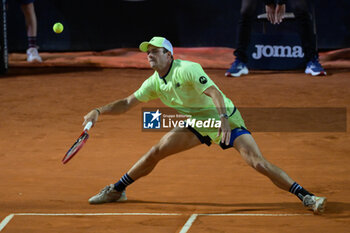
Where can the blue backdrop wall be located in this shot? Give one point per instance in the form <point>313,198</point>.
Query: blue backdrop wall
<point>107,24</point>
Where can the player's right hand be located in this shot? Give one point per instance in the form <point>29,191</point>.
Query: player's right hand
<point>225,130</point>
<point>91,116</point>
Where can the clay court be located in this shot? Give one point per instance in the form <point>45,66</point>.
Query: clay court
<point>202,190</point>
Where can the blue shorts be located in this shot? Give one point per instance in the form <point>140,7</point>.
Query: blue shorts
<point>235,133</point>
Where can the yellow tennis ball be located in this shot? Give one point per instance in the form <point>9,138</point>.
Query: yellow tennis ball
<point>57,28</point>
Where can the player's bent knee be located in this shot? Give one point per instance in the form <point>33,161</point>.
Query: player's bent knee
<point>251,161</point>
<point>154,155</point>
<point>261,167</point>
<point>254,160</point>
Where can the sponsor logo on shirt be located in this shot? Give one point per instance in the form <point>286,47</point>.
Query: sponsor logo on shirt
<point>203,80</point>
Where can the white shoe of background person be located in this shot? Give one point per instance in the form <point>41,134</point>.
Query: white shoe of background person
<point>33,55</point>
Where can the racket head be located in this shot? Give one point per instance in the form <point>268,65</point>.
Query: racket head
<point>76,147</point>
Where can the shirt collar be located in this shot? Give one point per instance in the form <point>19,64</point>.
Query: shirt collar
<point>171,66</point>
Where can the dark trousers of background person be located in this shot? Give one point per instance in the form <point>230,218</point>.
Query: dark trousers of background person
<point>302,16</point>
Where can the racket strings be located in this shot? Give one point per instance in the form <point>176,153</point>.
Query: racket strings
<point>78,143</point>
<point>76,146</point>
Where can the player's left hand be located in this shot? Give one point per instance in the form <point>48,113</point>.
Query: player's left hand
<point>225,129</point>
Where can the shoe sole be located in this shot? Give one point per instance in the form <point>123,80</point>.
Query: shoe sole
<point>243,71</point>
<point>309,71</point>
<point>320,205</point>
<point>121,199</point>
<point>35,60</point>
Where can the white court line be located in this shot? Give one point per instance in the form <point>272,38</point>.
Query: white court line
<point>193,217</point>
<point>184,229</point>
<point>5,221</point>
<point>9,217</point>
<point>98,214</point>
<point>189,223</point>
<point>266,215</point>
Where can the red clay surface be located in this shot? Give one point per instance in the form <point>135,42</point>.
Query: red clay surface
<point>41,115</point>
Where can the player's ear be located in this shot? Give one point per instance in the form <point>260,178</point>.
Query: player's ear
<point>170,55</point>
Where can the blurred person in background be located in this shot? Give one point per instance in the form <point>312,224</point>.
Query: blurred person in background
<point>27,7</point>
<point>275,10</point>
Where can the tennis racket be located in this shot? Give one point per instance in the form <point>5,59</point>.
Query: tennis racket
<point>78,144</point>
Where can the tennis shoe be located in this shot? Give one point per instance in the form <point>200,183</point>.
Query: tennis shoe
<point>314,68</point>
<point>108,194</point>
<point>316,204</point>
<point>33,55</point>
<point>237,69</point>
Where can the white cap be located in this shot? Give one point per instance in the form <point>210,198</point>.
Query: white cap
<point>158,42</point>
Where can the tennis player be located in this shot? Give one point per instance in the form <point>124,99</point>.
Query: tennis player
<point>185,86</point>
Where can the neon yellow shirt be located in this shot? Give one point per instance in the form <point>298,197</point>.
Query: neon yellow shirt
<point>182,88</point>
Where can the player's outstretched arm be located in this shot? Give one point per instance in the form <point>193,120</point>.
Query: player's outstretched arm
<point>117,107</point>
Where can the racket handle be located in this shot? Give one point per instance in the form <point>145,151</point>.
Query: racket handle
<point>88,126</point>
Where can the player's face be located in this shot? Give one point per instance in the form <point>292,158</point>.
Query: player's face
<point>157,58</point>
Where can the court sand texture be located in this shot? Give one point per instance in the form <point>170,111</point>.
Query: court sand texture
<point>41,115</point>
